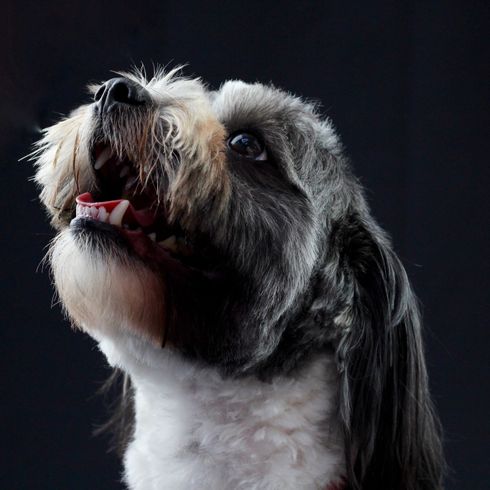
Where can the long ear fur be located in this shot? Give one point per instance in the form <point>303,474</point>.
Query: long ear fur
<point>391,432</point>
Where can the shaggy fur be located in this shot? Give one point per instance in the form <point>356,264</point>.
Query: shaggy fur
<point>277,345</point>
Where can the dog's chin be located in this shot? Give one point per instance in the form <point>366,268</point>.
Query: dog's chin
<point>103,288</point>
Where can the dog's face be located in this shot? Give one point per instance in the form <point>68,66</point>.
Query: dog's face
<point>195,219</point>
<point>226,225</point>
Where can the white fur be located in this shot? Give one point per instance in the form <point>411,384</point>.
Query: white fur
<point>94,286</point>
<point>196,430</point>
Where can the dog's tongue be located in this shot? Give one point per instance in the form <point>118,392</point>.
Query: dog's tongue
<point>141,217</point>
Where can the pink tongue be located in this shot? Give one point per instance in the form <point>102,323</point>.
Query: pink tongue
<point>142,217</point>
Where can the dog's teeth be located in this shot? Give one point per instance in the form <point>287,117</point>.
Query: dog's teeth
<point>103,214</point>
<point>152,236</point>
<point>116,216</point>
<point>124,171</point>
<point>102,158</point>
<point>169,243</point>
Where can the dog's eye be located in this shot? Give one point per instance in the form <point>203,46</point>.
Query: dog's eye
<point>247,145</point>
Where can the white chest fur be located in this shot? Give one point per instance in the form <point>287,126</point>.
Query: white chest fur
<point>196,430</point>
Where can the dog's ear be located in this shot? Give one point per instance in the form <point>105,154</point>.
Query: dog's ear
<point>391,433</point>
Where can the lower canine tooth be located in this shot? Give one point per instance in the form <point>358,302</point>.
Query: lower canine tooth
<point>170,243</point>
<point>103,214</point>
<point>116,216</point>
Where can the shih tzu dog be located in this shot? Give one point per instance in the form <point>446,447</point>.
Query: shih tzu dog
<point>218,248</point>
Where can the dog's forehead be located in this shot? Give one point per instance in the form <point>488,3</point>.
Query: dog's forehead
<point>239,105</point>
<point>276,114</point>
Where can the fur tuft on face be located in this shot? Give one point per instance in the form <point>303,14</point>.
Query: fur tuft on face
<point>103,291</point>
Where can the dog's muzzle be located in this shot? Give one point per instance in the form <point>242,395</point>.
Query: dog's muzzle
<point>123,203</point>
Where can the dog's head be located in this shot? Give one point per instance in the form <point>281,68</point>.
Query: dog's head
<point>226,225</point>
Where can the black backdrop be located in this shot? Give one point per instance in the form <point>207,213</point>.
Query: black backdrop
<point>405,84</point>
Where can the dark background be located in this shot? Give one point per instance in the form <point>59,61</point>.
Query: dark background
<point>406,84</point>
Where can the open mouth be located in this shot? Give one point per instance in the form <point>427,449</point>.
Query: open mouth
<point>131,208</point>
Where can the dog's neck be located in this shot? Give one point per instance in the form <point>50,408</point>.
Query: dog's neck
<point>195,429</point>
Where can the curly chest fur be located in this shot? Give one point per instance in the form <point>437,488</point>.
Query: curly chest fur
<point>196,430</point>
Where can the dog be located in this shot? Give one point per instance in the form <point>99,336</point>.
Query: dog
<point>220,251</point>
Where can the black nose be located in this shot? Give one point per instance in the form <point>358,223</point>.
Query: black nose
<point>120,91</point>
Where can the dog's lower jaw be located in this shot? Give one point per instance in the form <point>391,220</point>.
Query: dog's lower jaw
<point>195,429</point>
